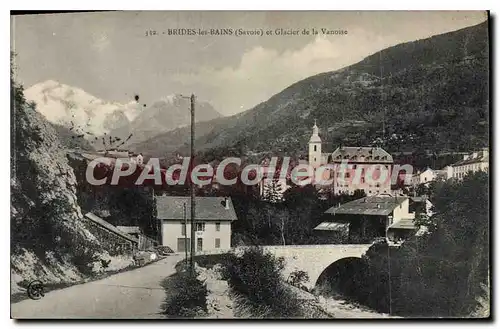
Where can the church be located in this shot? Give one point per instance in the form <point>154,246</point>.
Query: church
<point>353,167</point>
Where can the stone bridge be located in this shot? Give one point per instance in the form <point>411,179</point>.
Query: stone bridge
<point>315,259</point>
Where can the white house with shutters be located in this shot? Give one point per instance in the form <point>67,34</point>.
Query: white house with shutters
<point>213,218</point>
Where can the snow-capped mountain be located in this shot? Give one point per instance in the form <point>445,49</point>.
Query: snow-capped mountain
<point>93,118</point>
<point>78,110</point>
<point>166,114</point>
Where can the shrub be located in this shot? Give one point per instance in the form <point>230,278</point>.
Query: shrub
<point>164,250</point>
<point>297,278</point>
<point>84,262</point>
<point>206,261</point>
<point>105,263</point>
<point>186,296</point>
<point>255,278</point>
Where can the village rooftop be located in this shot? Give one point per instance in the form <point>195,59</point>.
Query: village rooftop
<point>252,174</point>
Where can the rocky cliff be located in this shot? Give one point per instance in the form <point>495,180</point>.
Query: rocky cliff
<point>49,238</point>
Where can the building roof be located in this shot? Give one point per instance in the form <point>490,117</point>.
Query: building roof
<point>109,227</point>
<point>371,205</point>
<point>332,226</point>
<point>130,229</point>
<point>427,170</point>
<point>481,156</point>
<point>207,208</point>
<point>403,224</point>
<point>315,139</point>
<point>362,154</point>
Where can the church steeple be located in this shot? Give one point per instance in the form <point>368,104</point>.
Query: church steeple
<point>315,147</point>
<point>315,128</point>
<point>315,135</point>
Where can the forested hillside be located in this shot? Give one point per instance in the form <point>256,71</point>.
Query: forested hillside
<point>444,273</point>
<point>427,94</point>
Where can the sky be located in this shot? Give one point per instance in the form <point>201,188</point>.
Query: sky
<point>108,54</point>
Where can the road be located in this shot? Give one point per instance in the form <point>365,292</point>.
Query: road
<point>135,294</point>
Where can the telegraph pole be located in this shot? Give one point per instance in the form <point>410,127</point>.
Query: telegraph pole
<point>186,247</point>
<point>192,189</point>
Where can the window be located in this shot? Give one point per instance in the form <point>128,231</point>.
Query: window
<point>183,229</point>
<point>200,227</point>
<point>353,166</point>
<point>315,149</point>
<point>217,243</point>
<point>217,227</point>
<point>182,243</point>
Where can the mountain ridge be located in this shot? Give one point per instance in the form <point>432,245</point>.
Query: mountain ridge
<point>92,118</point>
<point>421,91</point>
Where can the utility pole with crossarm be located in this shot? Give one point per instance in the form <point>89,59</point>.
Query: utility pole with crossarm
<point>193,202</point>
<point>192,188</point>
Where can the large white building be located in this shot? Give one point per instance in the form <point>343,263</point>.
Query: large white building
<point>361,163</point>
<point>213,218</point>
<point>475,161</point>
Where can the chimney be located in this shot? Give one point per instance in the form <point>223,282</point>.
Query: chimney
<point>226,203</point>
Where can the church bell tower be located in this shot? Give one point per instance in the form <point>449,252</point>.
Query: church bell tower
<point>315,147</point>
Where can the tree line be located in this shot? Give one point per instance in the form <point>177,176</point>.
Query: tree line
<point>444,272</point>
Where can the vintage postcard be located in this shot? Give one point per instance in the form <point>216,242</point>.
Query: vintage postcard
<point>235,165</point>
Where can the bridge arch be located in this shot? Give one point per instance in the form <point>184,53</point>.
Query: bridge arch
<point>343,276</point>
<point>315,259</point>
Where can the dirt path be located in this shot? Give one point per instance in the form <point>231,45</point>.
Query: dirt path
<point>135,294</point>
